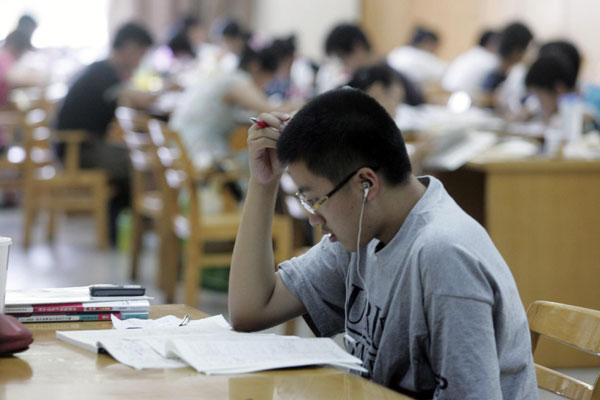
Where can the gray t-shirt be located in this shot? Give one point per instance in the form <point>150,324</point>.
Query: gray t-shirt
<point>434,313</point>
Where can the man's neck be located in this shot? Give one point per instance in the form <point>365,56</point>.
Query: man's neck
<point>115,61</point>
<point>395,206</point>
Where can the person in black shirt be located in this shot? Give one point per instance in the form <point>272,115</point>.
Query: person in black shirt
<point>90,105</point>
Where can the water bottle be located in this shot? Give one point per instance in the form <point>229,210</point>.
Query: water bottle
<point>570,109</point>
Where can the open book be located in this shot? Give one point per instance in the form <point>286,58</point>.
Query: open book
<point>209,346</point>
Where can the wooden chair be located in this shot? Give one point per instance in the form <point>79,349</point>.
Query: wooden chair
<point>208,238</point>
<point>67,188</point>
<point>24,140</point>
<point>577,327</point>
<point>13,149</point>
<point>146,201</point>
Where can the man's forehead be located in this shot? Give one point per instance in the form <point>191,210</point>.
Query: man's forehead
<point>303,178</point>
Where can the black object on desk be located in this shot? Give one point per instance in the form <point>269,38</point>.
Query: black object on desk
<point>116,290</point>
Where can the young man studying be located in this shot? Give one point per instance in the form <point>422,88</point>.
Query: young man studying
<point>416,286</point>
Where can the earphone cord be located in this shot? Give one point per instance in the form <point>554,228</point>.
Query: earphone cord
<point>362,209</point>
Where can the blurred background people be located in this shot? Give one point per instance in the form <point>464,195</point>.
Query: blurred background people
<point>14,47</point>
<point>90,105</point>
<point>186,37</point>
<point>418,60</point>
<point>550,77</point>
<point>468,71</point>
<point>206,114</point>
<point>381,82</point>
<point>349,49</point>
<point>27,25</point>
<point>506,83</point>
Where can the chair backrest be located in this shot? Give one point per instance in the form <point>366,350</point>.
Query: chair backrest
<point>175,173</point>
<point>577,327</point>
<point>133,125</point>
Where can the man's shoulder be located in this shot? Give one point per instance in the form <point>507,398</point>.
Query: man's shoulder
<point>99,71</point>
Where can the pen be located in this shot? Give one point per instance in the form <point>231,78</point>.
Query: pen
<point>185,320</point>
<point>259,122</point>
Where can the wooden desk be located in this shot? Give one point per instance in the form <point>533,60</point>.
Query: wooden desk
<point>544,217</point>
<point>51,369</point>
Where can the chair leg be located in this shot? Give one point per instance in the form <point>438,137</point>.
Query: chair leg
<point>51,223</point>
<point>101,214</point>
<point>164,237</point>
<point>192,273</point>
<point>137,232</point>
<point>170,266</point>
<point>29,210</point>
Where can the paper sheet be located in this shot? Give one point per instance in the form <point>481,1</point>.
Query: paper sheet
<point>88,340</point>
<point>208,345</point>
<point>138,354</point>
<point>227,356</point>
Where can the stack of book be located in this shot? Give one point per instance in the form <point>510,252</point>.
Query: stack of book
<point>72,304</point>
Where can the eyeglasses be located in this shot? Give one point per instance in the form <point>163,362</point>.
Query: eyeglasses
<point>313,205</point>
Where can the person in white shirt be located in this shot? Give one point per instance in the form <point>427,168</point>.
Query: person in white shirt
<point>349,50</point>
<point>469,69</point>
<point>418,60</point>
<point>506,82</point>
<point>206,114</point>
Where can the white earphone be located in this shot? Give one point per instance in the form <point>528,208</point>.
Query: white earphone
<point>366,185</point>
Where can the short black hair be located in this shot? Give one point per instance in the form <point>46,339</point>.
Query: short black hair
<point>487,36</point>
<point>26,21</point>
<point>513,38</point>
<point>232,29</point>
<point>421,35</point>
<point>548,70</point>
<point>342,130</point>
<point>284,47</point>
<point>343,39</point>
<point>563,48</point>
<point>132,32</point>
<point>266,57</point>
<point>179,42</point>
<point>365,77</point>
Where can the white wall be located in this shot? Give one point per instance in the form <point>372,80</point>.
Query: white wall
<point>310,20</point>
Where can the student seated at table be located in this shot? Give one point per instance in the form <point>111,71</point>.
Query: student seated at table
<point>90,105</point>
<point>206,113</point>
<point>550,77</point>
<point>469,69</point>
<point>418,60</point>
<point>295,78</point>
<point>13,48</point>
<point>186,37</point>
<point>416,285</point>
<point>27,25</point>
<point>349,44</point>
<point>381,82</point>
<point>385,85</point>
<point>505,84</point>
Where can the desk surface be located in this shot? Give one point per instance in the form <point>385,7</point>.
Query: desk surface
<point>51,369</point>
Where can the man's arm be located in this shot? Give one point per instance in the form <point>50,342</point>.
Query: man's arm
<point>258,298</point>
<point>463,349</point>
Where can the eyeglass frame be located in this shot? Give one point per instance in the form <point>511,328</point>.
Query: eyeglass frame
<point>312,208</point>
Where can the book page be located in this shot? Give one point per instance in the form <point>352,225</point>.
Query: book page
<point>227,356</point>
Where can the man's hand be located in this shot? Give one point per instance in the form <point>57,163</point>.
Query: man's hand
<point>262,148</point>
